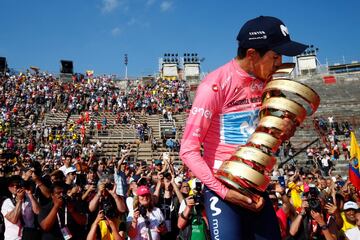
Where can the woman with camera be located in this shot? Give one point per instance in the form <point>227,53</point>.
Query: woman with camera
<point>146,221</point>
<point>168,198</point>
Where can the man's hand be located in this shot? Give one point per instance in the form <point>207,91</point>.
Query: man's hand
<point>161,228</point>
<point>57,201</point>
<point>189,201</point>
<point>244,201</point>
<point>279,189</point>
<point>100,216</point>
<point>317,217</point>
<point>113,191</point>
<point>101,188</point>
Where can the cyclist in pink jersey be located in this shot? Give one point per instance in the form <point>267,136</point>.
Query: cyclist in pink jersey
<point>223,115</point>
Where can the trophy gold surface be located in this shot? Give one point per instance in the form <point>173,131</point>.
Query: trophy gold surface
<point>285,104</point>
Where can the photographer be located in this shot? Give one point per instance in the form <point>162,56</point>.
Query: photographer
<point>106,193</point>
<point>109,202</point>
<point>19,211</point>
<point>59,219</point>
<point>146,221</point>
<point>313,220</point>
<point>96,227</point>
<point>167,194</point>
<point>192,221</point>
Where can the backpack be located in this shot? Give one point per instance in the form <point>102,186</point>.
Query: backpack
<point>197,230</point>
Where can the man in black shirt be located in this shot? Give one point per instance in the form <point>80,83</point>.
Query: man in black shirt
<point>59,219</point>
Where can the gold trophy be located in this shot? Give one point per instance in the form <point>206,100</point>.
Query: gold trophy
<point>285,104</point>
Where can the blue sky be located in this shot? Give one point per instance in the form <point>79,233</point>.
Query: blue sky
<point>96,34</point>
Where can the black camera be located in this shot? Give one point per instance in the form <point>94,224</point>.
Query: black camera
<point>198,197</point>
<point>143,211</point>
<point>108,209</point>
<point>313,199</point>
<point>25,184</point>
<point>66,198</point>
<point>109,186</point>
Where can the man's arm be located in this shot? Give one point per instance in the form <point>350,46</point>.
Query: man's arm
<point>34,203</point>
<point>79,218</point>
<point>44,190</point>
<point>195,132</point>
<point>48,222</point>
<point>120,203</point>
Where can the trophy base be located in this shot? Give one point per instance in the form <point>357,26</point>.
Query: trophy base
<point>251,193</point>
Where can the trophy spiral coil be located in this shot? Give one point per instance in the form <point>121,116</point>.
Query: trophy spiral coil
<point>285,104</point>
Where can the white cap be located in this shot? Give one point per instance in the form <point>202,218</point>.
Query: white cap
<point>351,205</point>
<point>70,170</point>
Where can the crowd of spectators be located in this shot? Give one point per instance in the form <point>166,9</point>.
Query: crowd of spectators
<point>55,186</point>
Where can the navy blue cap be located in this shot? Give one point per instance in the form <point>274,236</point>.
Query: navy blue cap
<point>269,33</point>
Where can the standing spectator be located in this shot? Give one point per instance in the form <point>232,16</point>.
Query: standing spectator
<point>146,221</point>
<point>19,211</point>
<point>354,233</point>
<point>59,219</point>
<point>67,164</point>
<point>349,215</point>
<point>325,164</point>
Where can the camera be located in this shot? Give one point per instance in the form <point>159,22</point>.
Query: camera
<point>109,186</point>
<point>142,211</point>
<point>25,184</point>
<point>198,198</point>
<point>329,200</point>
<point>108,209</point>
<point>65,198</point>
<point>313,200</point>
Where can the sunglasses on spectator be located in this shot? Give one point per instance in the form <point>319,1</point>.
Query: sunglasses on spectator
<point>14,185</point>
<point>310,177</point>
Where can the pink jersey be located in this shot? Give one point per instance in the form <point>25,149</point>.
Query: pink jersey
<point>223,115</point>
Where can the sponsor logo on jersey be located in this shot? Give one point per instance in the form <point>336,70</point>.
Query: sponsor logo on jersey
<point>203,112</point>
<point>237,127</point>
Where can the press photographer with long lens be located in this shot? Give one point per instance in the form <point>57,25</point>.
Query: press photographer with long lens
<point>224,114</point>
<point>313,220</point>
<point>146,221</point>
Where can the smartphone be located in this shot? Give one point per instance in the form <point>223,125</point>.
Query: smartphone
<point>281,180</point>
<point>329,200</point>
